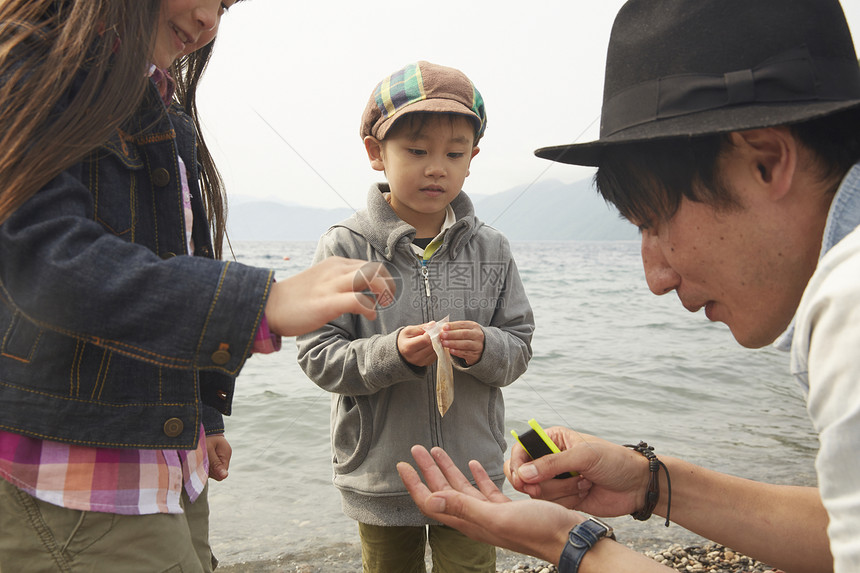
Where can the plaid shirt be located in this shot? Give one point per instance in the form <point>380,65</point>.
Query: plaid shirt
<point>128,482</point>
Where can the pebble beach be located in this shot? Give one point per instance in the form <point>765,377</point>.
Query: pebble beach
<point>710,558</point>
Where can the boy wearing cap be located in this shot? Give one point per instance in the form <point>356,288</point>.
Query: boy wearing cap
<point>421,128</point>
<point>730,134</point>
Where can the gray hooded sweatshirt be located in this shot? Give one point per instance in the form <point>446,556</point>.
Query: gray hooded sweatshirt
<point>382,405</point>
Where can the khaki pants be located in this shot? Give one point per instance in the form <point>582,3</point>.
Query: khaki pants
<point>38,537</point>
<point>401,550</point>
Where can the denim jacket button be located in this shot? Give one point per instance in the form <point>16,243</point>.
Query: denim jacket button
<point>161,177</point>
<point>223,394</point>
<point>221,357</point>
<point>173,427</point>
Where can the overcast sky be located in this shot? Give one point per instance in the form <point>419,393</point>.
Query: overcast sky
<point>283,96</point>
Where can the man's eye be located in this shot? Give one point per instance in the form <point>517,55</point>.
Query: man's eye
<point>224,8</point>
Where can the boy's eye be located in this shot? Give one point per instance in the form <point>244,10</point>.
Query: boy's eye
<point>415,151</point>
<point>456,155</point>
<point>225,7</point>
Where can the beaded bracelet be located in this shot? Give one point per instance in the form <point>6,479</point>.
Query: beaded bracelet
<point>653,493</point>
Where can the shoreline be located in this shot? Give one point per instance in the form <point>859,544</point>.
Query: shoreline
<point>329,552</point>
<point>709,557</point>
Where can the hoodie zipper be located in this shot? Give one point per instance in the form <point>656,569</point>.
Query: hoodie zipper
<point>434,414</point>
<point>425,272</point>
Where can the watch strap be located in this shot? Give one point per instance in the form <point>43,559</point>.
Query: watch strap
<point>581,538</point>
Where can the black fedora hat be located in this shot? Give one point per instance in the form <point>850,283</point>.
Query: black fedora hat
<point>682,68</point>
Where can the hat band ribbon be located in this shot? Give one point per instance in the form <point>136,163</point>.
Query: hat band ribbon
<point>793,76</point>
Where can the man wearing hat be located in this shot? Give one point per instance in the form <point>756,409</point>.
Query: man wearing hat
<point>730,134</point>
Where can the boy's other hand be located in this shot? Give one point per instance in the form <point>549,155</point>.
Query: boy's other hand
<point>464,339</point>
<point>415,346</point>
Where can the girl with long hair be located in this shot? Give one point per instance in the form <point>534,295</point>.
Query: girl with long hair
<point>121,330</point>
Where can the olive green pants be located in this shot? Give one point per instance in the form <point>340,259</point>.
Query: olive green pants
<point>401,550</point>
<point>38,537</point>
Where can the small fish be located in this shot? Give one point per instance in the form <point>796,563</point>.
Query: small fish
<point>444,368</point>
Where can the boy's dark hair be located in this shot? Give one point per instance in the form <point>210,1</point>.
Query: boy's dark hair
<point>413,123</point>
<point>647,181</point>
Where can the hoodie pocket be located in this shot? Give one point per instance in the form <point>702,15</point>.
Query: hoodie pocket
<point>496,413</point>
<point>352,433</point>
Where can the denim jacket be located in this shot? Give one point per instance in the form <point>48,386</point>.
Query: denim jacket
<point>109,334</point>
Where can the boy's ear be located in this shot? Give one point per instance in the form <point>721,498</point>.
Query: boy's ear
<point>772,156</point>
<point>374,152</point>
<point>475,151</point>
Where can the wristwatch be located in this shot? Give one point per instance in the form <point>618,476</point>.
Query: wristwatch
<point>581,538</point>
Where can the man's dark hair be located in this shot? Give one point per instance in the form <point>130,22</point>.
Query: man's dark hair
<point>646,181</point>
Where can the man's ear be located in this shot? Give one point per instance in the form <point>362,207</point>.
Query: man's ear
<point>374,152</point>
<point>772,156</point>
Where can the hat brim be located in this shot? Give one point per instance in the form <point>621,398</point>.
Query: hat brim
<point>438,105</point>
<point>712,122</point>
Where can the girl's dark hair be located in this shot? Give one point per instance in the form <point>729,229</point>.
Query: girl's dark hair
<point>187,72</point>
<point>646,181</point>
<point>45,47</point>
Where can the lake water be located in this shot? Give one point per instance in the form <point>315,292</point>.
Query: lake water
<point>610,359</point>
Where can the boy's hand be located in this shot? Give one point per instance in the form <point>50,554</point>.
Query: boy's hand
<point>464,339</point>
<point>415,346</point>
<point>219,451</point>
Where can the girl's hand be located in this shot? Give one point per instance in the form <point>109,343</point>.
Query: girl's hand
<point>464,339</point>
<point>415,346</point>
<point>219,451</point>
<point>304,302</point>
<point>612,479</point>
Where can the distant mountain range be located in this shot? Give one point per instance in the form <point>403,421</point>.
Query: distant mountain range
<point>546,211</point>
